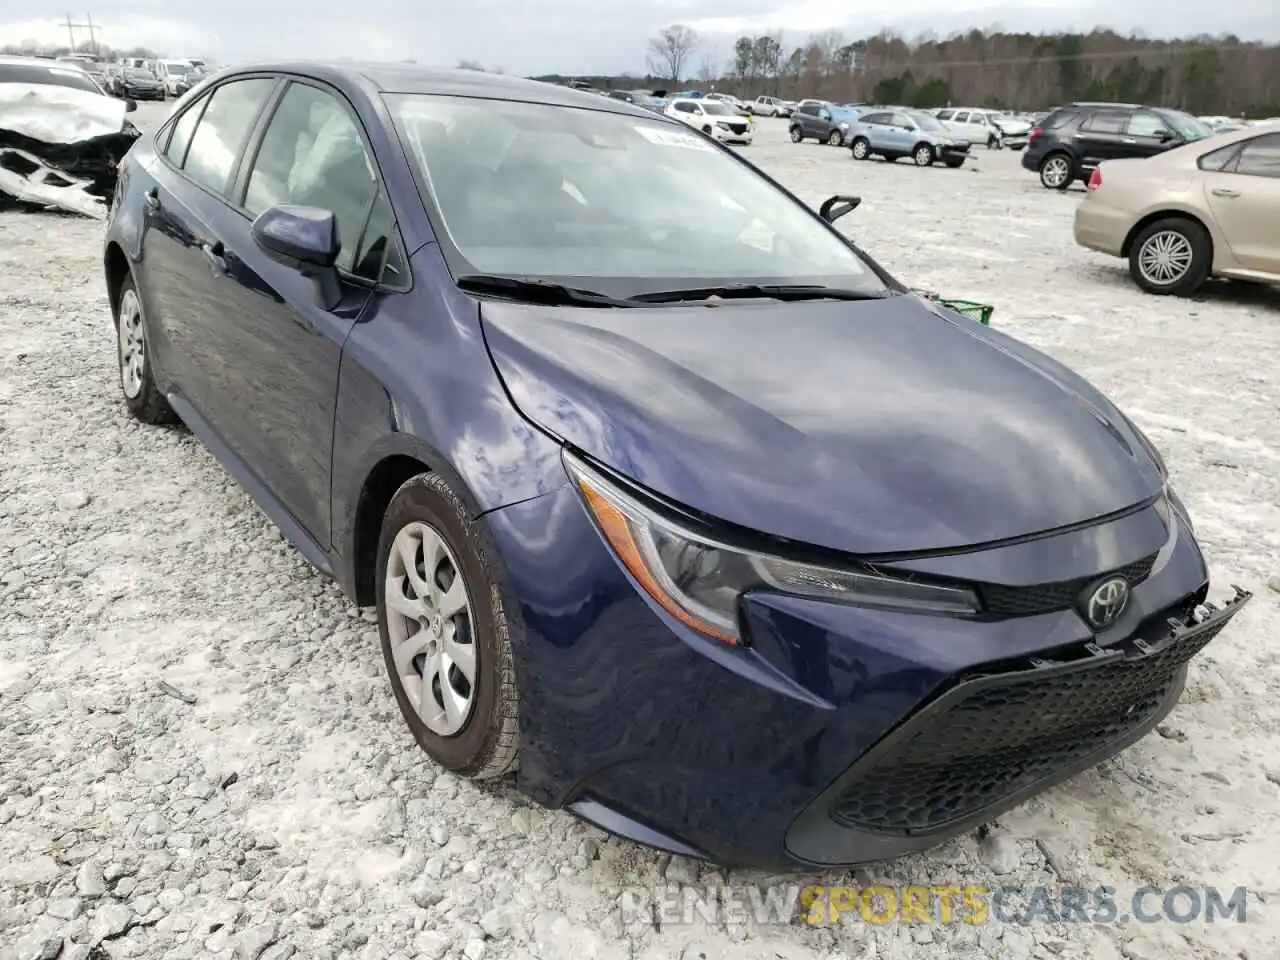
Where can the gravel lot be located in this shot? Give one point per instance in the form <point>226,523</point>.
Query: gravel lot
<point>286,810</point>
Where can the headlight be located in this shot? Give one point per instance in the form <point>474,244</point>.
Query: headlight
<point>700,581</point>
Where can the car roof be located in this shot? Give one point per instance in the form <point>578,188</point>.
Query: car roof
<point>412,78</point>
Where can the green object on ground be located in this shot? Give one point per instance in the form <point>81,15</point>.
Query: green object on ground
<point>974,311</point>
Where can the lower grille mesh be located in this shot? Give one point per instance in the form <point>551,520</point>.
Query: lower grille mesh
<point>1008,734</point>
<point>1047,597</point>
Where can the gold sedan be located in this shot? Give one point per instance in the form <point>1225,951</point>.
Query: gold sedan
<point>1209,208</point>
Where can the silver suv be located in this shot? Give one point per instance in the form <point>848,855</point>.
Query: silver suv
<point>893,134</point>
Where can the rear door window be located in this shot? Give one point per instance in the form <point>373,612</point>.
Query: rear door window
<point>222,130</point>
<point>180,135</point>
<point>1106,122</point>
<point>962,117</point>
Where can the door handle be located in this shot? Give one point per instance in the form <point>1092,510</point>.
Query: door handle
<point>1225,192</point>
<point>214,253</point>
<point>152,199</point>
<point>1130,140</point>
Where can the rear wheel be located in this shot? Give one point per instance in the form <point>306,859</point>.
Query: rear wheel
<point>796,135</point>
<point>923,155</point>
<point>1055,171</point>
<point>861,148</point>
<point>1171,257</point>
<point>142,397</point>
<point>835,138</point>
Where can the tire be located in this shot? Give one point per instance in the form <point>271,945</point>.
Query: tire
<point>142,396</point>
<point>835,139</point>
<point>861,148</point>
<point>955,164</point>
<point>1056,171</point>
<point>1161,247</point>
<point>486,743</point>
<point>922,155</point>
<point>796,135</point>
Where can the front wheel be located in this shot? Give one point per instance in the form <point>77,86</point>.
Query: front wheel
<point>445,632</point>
<point>1171,257</point>
<point>796,135</point>
<point>835,138</point>
<point>923,155</point>
<point>861,148</point>
<point>1055,171</point>
<point>955,163</point>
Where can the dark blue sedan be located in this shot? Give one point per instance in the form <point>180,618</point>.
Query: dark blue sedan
<point>668,497</point>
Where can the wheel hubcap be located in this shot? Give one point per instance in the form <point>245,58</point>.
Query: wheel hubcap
<point>429,625</point>
<point>1165,258</point>
<point>859,150</point>
<point>1055,171</point>
<point>133,354</point>
<point>922,157</point>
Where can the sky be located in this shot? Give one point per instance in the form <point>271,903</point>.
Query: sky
<point>581,37</point>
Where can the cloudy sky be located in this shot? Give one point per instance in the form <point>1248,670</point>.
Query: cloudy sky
<point>581,36</point>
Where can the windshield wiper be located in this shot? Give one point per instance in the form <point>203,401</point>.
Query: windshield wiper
<point>742,291</point>
<point>538,291</point>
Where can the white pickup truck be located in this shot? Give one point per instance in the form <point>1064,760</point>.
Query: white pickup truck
<point>988,127</point>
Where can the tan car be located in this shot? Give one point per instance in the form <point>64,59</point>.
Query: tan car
<point>1210,208</point>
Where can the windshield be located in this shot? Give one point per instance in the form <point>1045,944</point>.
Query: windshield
<point>137,74</point>
<point>717,109</point>
<point>926,121</point>
<point>72,77</point>
<point>1185,125</point>
<point>631,204</point>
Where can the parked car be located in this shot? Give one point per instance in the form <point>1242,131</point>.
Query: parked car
<point>975,126</point>
<point>173,74</point>
<point>61,137</point>
<point>769,107</point>
<point>906,133</point>
<point>715,119</point>
<point>113,80</point>
<point>1208,209</point>
<point>1066,146</point>
<point>613,537</point>
<point>822,121</point>
<point>142,85</point>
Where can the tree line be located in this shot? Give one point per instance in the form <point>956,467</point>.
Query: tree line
<point>30,48</point>
<point>1203,74</point>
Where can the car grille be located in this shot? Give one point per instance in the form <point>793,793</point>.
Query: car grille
<point>1049,597</point>
<point>991,737</point>
<point>738,128</point>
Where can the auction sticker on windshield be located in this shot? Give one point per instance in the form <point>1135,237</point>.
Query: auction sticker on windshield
<point>672,138</point>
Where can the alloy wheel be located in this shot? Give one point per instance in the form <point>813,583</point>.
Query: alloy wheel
<point>1165,258</point>
<point>796,136</point>
<point>1055,172</point>
<point>836,138</point>
<point>132,345</point>
<point>429,625</point>
<point>861,149</point>
<point>924,157</point>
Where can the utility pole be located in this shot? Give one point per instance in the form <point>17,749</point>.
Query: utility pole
<point>89,25</point>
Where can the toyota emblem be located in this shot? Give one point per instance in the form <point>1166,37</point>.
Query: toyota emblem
<point>1107,602</point>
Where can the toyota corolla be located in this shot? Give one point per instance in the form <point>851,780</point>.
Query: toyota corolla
<point>671,501</point>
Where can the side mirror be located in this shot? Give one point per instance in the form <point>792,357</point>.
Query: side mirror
<point>130,105</point>
<point>835,207</point>
<point>1165,136</point>
<point>825,114</point>
<point>304,239</point>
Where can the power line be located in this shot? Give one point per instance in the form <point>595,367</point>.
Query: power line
<point>89,25</point>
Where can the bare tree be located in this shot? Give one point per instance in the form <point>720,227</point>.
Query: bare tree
<point>670,50</point>
<point>471,65</point>
<point>707,70</point>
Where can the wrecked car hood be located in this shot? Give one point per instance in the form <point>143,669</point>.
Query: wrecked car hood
<point>55,114</point>
<point>59,146</point>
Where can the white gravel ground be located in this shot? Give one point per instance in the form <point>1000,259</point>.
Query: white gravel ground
<point>286,810</point>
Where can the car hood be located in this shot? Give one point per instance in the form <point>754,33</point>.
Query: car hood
<point>870,427</point>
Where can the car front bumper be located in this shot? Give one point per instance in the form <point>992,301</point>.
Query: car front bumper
<point>784,752</point>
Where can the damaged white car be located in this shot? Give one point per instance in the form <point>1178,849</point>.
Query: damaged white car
<point>61,137</point>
